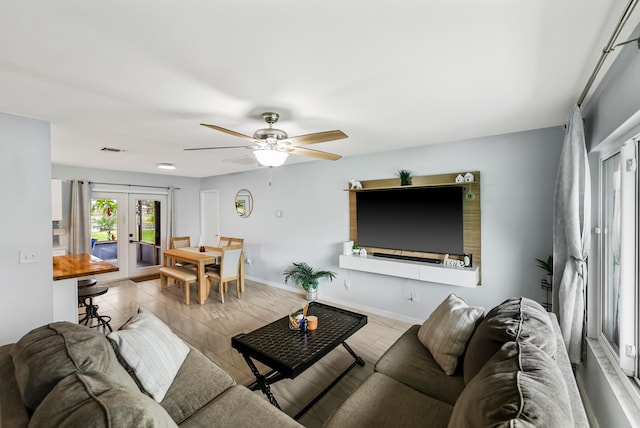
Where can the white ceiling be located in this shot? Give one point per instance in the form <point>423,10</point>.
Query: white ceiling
<point>141,75</point>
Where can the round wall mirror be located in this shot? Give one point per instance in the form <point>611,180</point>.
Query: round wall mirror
<point>244,203</point>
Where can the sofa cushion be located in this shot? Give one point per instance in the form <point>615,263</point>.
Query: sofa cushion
<point>408,362</point>
<point>239,407</point>
<point>151,350</point>
<point>519,385</point>
<point>93,400</point>
<point>50,353</point>
<point>383,402</point>
<point>201,380</point>
<point>446,332</point>
<point>516,319</point>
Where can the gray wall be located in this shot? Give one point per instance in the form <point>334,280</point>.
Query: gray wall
<point>612,114</point>
<point>26,291</point>
<point>517,181</point>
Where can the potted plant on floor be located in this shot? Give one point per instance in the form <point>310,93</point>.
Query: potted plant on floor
<point>302,274</point>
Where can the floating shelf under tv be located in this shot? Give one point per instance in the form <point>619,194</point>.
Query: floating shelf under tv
<point>420,271</point>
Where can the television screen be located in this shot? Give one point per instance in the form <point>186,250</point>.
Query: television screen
<point>425,219</point>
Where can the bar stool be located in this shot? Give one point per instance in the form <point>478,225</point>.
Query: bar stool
<point>86,294</point>
<point>82,283</point>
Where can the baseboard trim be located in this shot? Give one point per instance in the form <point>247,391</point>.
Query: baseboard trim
<point>591,417</point>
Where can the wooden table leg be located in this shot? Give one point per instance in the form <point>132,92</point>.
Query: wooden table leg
<point>201,285</point>
<point>241,272</point>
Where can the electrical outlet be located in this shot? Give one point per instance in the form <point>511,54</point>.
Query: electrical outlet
<point>29,256</point>
<point>249,261</point>
<point>414,297</point>
<point>347,283</point>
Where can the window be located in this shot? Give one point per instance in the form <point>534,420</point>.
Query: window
<point>618,256</point>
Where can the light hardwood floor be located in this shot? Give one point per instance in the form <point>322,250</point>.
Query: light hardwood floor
<point>209,328</point>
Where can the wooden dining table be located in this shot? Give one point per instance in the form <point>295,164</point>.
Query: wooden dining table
<point>200,260</point>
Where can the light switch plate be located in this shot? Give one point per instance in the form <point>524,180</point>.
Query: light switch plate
<point>29,256</point>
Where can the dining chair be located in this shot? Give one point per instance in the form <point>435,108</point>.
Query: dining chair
<point>236,241</point>
<point>228,270</point>
<point>181,242</point>
<point>224,241</point>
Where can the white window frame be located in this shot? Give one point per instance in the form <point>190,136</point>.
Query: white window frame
<point>626,362</point>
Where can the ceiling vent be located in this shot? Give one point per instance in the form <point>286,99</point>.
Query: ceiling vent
<point>111,149</point>
<point>245,160</point>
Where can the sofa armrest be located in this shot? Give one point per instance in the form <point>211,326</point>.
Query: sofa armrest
<point>562,358</point>
<point>12,411</point>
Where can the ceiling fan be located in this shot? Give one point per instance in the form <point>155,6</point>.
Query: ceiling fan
<point>272,146</point>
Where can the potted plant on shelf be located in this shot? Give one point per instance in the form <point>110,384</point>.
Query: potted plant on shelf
<point>405,177</point>
<point>302,274</point>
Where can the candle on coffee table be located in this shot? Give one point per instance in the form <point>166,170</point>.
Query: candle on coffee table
<point>312,322</point>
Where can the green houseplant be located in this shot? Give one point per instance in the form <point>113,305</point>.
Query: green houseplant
<point>302,274</point>
<point>547,265</point>
<point>405,177</point>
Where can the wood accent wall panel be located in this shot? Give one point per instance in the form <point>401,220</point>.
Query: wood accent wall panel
<point>471,212</point>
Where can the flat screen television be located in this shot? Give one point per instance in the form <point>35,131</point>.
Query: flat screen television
<point>421,219</point>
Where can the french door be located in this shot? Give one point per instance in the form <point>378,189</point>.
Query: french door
<point>129,231</point>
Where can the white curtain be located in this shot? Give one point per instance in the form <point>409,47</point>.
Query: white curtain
<point>571,235</point>
<point>171,215</point>
<point>80,221</point>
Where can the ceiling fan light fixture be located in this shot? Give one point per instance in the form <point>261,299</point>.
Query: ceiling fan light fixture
<point>268,157</point>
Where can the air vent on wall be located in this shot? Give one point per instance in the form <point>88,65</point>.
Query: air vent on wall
<point>111,149</point>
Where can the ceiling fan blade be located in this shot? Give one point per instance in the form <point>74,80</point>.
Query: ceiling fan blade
<point>312,153</point>
<point>216,148</point>
<point>318,137</point>
<point>228,131</point>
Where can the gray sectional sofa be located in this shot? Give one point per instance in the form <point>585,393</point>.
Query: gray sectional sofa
<point>515,372</point>
<point>64,374</point>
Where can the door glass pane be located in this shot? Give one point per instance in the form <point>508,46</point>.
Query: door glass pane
<point>611,250</point>
<point>148,232</point>
<point>104,229</point>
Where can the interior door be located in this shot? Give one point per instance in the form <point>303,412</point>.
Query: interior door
<point>209,218</point>
<point>108,231</point>
<point>147,231</point>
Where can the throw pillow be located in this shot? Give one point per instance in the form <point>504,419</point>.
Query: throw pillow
<point>521,385</point>
<point>94,400</point>
<point>517,319</point>
<point>446,332</point>
<point>153,353</point>
<point>52,352</point>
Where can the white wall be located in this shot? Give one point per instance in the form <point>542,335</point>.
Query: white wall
<point>517,181</point>
<point>26,291</point>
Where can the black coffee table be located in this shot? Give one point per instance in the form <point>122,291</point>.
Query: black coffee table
<point>289,352</point>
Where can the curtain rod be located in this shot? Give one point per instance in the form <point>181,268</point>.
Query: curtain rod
<point>609,48</point>
<point>133,185</point>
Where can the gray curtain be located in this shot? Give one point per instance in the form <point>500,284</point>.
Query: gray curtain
<point>80,221</point>
<point>571,235</point>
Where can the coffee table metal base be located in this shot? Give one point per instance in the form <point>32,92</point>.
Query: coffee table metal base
<point>263,381</point>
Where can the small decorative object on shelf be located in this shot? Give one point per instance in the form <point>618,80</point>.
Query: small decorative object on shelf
<point>459,178</point>
<point>405,177</point>
<point>469,178</point>
<point>355,184</point>
<point>547,283</point>
<point>303,275</point>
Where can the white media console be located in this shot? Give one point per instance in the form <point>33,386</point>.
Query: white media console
<point>420,271</point>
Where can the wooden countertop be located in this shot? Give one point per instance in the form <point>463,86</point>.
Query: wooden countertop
<point>76,265</point>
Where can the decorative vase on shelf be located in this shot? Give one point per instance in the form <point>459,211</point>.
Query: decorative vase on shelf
<point>312,294</point>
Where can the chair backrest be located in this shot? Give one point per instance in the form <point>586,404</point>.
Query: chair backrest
<point>230,262</point>
<point>236,241</point>
<point>180,242</point>
<point>224,241</point>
